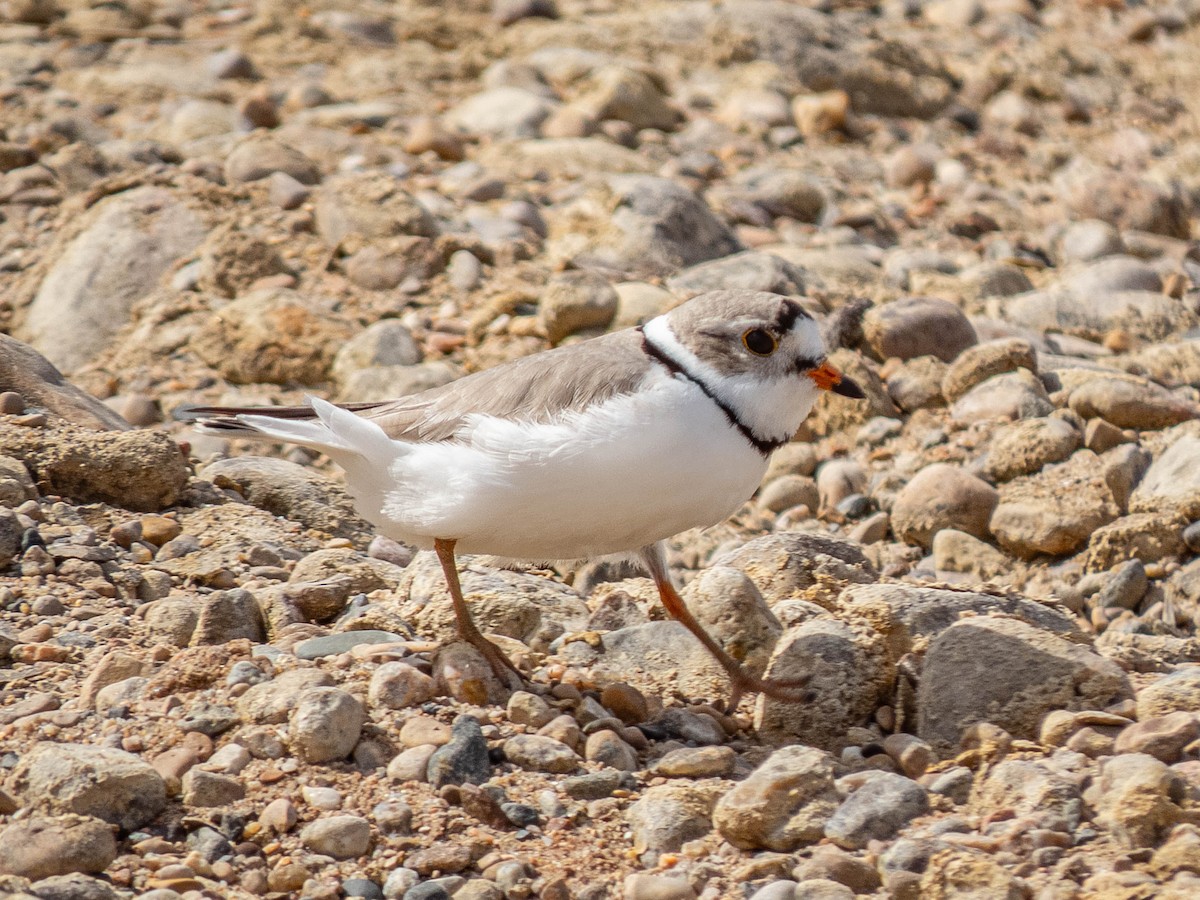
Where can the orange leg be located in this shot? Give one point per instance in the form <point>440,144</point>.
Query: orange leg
<point>467,629</point>
<point>743,682</point>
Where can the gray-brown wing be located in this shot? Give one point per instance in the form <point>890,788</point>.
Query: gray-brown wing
<point>531,389</point>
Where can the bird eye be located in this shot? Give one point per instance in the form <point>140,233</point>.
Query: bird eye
<point>760,342</point>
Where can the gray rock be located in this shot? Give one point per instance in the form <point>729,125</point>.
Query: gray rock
<point>667,816</point>
<point>26,372</point>
<point>258,157</point>
<point>226,616</point>
<point>793,565</point>
<point>1136,799</point>
<point>1115,273</point>
<point>74,887</point>
<point>1055,511</point>
<point>1124,586</point>
<point>526,607</point>
<point>695,728</point>
<point>1178,691</point>
<point>731,609</point>
<point>108,784</point>
<point>1145,314</point>
<point>1089,240</point>
<point>43,847</point>
<point>540,754</point>
<point>876,811</point>
<point>847,674</point>
<point>1131,404</point>
<point>10,536</point>
<point>1010,674</point>
<point>608,749</point>
<point>1163,737</point>
<point>1173,479</point>
<point>1027,446</point>
<point>270,702</point>
<point>831,863</point>
<point>574,301</point>
<point>509,112</point>
<point>343,642</point>
<point>326,724</point>
<point>782,805</point>
<point>697,762</point>
<point>775,191</point>
<point>208,789</point>
<point>356,208</point>
<point>943,496</point>
<point>125,245</point>
<point>385,343</point>
<point>273,335</point>
<point>397,685</point>
<point>1013,395</point>
<point>918,326</point>
<point>749,270</point>
<point>1130,201</point>
<point>342,837</point>
<point>1031,788</point>
<point>645,886</point>
<point>909,617</point>
<point>979,363</point>
<point>917,384</point>
<point>464,759</point>
<point>957,551</point>
<point>656,228</point>
<point>626,94</point>
<point>137,470</point>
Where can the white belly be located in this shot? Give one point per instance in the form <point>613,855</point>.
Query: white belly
<point>633,470</point>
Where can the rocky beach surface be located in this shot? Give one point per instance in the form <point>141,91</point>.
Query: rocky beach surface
<point>217,682</point>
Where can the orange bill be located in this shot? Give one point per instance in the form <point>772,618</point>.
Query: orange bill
<point>828,378</point>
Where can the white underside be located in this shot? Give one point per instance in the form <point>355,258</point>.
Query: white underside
<point>626,473</point>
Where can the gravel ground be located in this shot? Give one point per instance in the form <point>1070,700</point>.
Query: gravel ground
<point>216,681</point>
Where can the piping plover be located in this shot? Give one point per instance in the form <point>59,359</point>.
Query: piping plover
<point>605,447</point>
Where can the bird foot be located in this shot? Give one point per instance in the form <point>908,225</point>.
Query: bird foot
<point>502,666</point>
<point>789,690</point>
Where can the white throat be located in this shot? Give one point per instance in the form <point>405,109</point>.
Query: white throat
<point>770,408</point>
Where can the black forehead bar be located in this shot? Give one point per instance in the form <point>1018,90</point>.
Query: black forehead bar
<point>789,312</point>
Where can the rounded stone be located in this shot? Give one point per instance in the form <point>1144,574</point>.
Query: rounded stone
<point>943,496</point>
<point>326,724</point>
<point>918,326</point>
<point>342,837</point>
<point>38,848</point>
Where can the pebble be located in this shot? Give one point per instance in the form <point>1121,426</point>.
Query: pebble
<point>540,754</point>
<point>918,326</point>
<point>464,759</point>
<point>326,724</point>
<point>985,360</point>
<point>397,685</point>
<point>700,762</point>
<point>784,804</point>
<point>1133,799</point>
<point>42,847</point>
<point>1021,660</point>
<point>575,301</point>
<point>644,886</point>
<point>1163,737</point>
<point>607,748</point>
<point>342,837</point>
<point>943,496</point>
<point>111,785</point>
<point>876,810</point>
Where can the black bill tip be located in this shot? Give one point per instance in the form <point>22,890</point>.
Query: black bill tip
<point>847,387</point>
